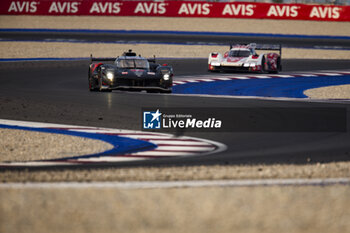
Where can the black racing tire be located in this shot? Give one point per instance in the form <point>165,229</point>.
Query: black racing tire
<point>91,81</point>
<point>278,67</point>
<point>90,85</point>
<point>214,71</point>
<point>167,91</point>
<point>100,85</point>
<point>152,91</point>
<point>100,89</point>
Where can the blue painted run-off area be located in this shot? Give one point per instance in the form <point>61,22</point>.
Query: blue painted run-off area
<point>121,145</point>
<point>273,87</point>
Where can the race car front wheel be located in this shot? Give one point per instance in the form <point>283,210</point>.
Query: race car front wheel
<point>92,86</point>
<point>100,86</point>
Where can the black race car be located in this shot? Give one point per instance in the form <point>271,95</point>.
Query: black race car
<point>129,72</point>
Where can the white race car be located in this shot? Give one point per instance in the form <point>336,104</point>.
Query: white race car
<point>243,57</point>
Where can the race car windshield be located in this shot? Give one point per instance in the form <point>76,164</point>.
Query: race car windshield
<point>133,63</point>
<point>239,53</point>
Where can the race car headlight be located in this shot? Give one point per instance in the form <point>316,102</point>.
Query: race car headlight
<point>110,75</point>
<point>215,64</point>
<point>166,76</point>
<point>246,64</point>
<point>252,64</point>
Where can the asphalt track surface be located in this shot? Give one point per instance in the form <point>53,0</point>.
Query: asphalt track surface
<point>56,92</point>
<point>168,37</point>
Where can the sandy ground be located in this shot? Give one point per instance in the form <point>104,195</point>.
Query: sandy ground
<point>331,92</point>
<point>178,24</point>
<point>19,145</point>
<point>196,210</point>
<point>60,49</point>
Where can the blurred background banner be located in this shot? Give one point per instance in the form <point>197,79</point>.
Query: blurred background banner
<point>327,10</point>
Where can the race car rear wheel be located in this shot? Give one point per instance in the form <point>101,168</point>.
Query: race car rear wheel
<point>278,67</point>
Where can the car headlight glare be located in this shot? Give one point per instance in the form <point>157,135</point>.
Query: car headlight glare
<point>166,76</point>
<point>110,75</point>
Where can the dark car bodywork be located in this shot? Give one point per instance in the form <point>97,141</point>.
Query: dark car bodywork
<point>129,72</point>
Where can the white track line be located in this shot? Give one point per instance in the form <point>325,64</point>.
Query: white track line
<point>223,79</point>
<point>282,76</point>
<point>178,143</point>
<point>261,76</point>
<point>111,159</point>
<point>178,184</point>
<point>308,75</point>
<point>178,82</point>
<point>191,81</point>
<point>329,74</point>
<point>205,80</point>
<point>163,154</point>
<point>185,148</point>
<point>240,77</point>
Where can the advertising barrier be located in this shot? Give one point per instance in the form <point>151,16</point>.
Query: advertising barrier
<point>177,9</point>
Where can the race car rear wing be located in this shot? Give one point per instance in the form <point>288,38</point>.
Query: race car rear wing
<point>152,59</point>
<point>92,59</point>
<point>277,47</point>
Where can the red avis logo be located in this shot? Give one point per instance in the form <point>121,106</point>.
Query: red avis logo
<point>239,9</point>
<point>148,8</point>
<point>194,9</point>
<point>64,7</point>
<point>325,12</point>
<point>283,11</point>
<point>105,7</point>
<point>23,7</point>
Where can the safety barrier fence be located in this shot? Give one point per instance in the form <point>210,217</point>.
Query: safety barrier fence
<point>250,10</point>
